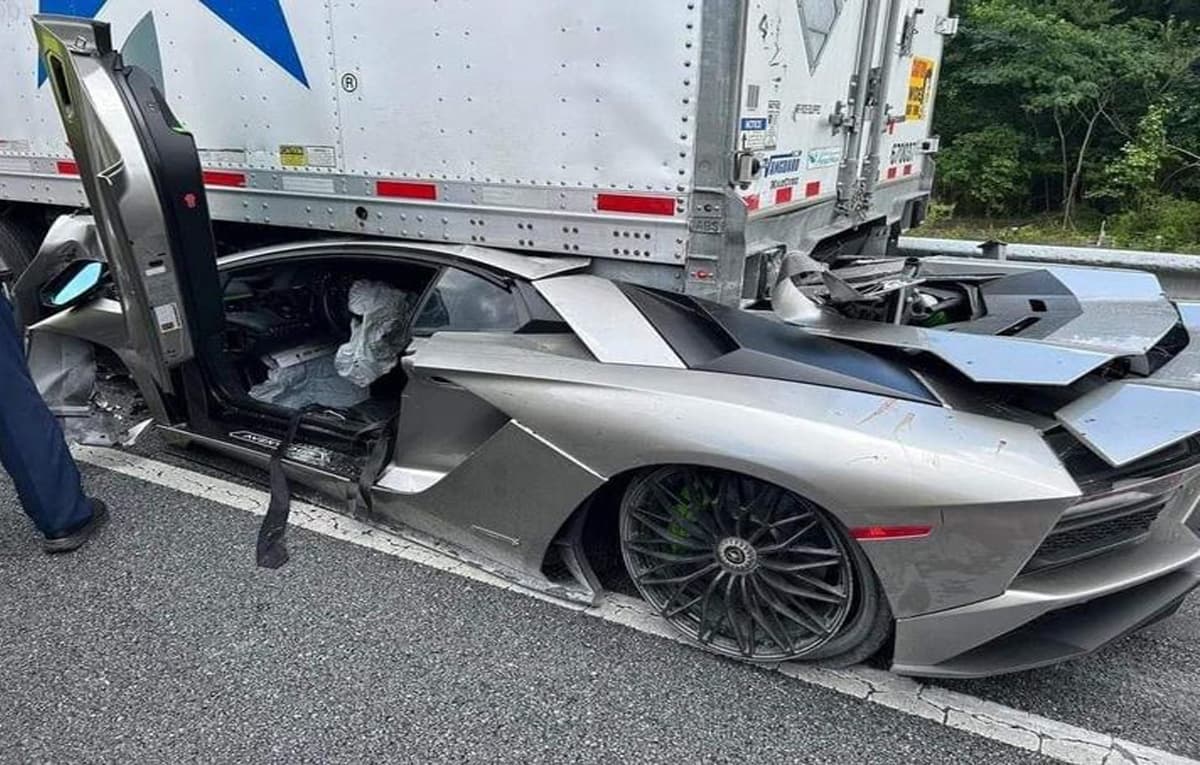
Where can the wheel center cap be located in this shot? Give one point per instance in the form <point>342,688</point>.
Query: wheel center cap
<point>737,555</point>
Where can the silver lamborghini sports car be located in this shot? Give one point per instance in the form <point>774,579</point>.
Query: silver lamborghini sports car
<point>983,466</point>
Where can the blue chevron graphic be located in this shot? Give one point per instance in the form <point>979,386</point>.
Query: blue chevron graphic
<point>262,23</point>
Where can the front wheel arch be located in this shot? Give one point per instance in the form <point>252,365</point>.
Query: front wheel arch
<point>600,514</point>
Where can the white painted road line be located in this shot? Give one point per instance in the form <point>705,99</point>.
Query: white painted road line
<point>1053,739</point>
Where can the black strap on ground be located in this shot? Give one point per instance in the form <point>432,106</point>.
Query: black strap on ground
<point>376,459</point>
<point>272,551</point>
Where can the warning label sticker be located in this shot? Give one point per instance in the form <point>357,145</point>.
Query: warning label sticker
<point>773,108</point>
<point>292,155</point>
<point>167,317</point>
<point>222,156</point>
<point>920,84</point>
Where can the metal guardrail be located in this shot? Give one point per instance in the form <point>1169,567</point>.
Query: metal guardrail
<point>1179,274</point>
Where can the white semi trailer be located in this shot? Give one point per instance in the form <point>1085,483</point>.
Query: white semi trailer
<point>686,144</point>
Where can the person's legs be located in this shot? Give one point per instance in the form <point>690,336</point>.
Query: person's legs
<point>32,447</point>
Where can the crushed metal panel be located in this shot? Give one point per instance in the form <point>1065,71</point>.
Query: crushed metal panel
<point>1124,421</point>
<point>983,358</point>
<point>1124,313</point>
<point>1120,327</point>
<point>1183,371</point>
<point>1085,282</point>
<point>1128,420</point>
<point>529,267</point>
<point>612,328</point>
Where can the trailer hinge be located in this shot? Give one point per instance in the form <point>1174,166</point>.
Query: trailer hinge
<point>946,25</point>
<point>841,119</point>
<point>873,85</point>
<point>909,30</point>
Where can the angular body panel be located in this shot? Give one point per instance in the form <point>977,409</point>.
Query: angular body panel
<point>866,458</point>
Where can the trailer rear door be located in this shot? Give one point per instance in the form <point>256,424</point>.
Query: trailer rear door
<point>905,148</point>
<point>799,71</point>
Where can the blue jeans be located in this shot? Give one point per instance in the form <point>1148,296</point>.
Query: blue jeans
<point>32,448</point>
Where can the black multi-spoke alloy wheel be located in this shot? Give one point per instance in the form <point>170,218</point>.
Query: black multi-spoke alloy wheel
<point>749,569</point>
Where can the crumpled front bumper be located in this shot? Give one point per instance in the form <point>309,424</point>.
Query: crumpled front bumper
<point>1053,614</point>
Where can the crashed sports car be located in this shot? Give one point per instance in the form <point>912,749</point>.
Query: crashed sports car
<point>986,466</point>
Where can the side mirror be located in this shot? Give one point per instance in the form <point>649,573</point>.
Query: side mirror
<point>79,281</point>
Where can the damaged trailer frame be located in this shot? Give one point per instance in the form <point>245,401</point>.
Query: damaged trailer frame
<point>683,145</point>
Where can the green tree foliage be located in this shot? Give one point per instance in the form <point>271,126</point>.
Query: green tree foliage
<point>984,172</point>
<point>1046,104</point>
<point>1133,177</point>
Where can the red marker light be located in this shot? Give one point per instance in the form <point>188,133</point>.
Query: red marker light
<point>868,533</point>
<point>406,190</point>
<point>221,178</point>
<point>636,204</point>
<point>66,167</point>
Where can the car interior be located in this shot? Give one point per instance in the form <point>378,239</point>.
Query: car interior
<point>285,326</point>
<point>327,334</point>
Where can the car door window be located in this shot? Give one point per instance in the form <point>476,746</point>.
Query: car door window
<point>463,302</point>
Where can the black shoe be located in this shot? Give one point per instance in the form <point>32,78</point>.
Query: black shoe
<point>73,540</point>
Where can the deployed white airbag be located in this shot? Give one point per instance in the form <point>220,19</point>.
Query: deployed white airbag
<point>302,376</point>
<point>374,346</point>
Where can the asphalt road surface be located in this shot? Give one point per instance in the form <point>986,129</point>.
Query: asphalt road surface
<point>161,642</point>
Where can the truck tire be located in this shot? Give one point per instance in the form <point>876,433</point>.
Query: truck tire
<point>18,246</point>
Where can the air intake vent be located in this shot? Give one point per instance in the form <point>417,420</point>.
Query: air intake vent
<point>1077,537</point>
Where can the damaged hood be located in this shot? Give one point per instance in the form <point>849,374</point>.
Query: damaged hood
<point>1055,326</point>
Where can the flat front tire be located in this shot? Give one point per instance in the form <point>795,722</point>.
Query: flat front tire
<point>748,569</point>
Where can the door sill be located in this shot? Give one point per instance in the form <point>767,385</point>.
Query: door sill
<point>304,462</point>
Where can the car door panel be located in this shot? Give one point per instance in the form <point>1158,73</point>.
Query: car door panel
<point>142,178</point>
